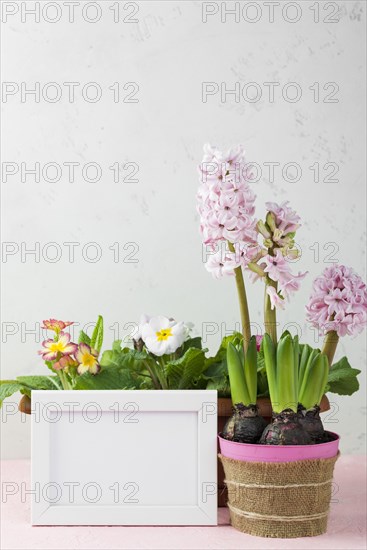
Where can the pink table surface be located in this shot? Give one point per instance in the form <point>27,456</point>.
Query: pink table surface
<point>347,523</point>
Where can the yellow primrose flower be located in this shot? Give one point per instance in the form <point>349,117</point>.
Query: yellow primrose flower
<point>87,358</point>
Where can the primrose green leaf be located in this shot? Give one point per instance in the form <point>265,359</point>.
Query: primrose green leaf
<point>342,378</point>
<point>221,385</point>
<point>49,365</point>
<point>109,358</point>
<point>35,382</point>
<point>25,385</point>
<point>8,388</point>
<point>116,346</point>
<point>96,340</point>
<point>216,370</point>
<point>109,379</point>
<point>83,338</point>
<point>184,372</point>
<point>192,343</point>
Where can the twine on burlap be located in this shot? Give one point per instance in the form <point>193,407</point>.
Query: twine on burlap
<point>279,499</point>
<point>276,518</point>
<point>226,481</point>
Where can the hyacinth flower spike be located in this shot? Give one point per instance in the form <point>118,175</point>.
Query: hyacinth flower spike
<point>337,306</point>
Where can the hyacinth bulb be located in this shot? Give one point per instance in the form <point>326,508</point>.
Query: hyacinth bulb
<point>312,423</point>
<point>245,425</point>
<point>285,429</point>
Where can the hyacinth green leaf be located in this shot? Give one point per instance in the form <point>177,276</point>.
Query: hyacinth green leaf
<point>311,358</point>
<point>251,369</point>
<point>287,394</point>
<point>270,366</point>
<point>262,383</point>
<point>324,377</point>
<point>237,380</point>
<point>307,392</point>
<point>316,378</point>
<point>296,363</point>
<point>302,364</point>
<point>241,353</point>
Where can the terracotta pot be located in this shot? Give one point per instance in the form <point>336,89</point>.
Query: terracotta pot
<point>25,405</point>
<point>224,412</point>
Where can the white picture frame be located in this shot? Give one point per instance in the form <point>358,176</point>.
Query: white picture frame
<point>116,457</point>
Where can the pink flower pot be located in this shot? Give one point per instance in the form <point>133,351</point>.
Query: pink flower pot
<point>246,452</point>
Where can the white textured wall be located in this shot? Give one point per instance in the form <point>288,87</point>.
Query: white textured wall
<point>169,53</point>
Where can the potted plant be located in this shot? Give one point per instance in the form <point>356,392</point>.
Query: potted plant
<point>164,355</point>
<point>278,475</point>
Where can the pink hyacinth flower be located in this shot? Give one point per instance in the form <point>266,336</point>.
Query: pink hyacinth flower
<point>279,270</point>
<point>220,264</point>
<point>290,283</point>
<point>275,300</point>
<point>286,219</point>
<point>225,201</point>
<point>259,338</point>
<point>338,302</point>
<point>276,266</point>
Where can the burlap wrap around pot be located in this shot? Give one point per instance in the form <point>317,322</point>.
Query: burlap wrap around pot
<point>282,499</point>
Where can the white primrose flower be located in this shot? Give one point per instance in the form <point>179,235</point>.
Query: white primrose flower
<point>136,334</point>
<point>189,327</point>
<point>162,336</point>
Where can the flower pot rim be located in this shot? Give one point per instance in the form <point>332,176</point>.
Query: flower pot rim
<point>252,445</point>
<point>254,452</point>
